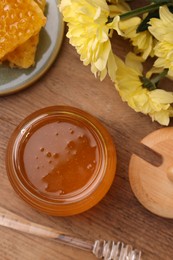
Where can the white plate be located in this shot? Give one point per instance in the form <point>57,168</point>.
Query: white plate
<point>51,36</point>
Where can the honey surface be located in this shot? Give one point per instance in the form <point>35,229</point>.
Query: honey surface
<point>59,157</point>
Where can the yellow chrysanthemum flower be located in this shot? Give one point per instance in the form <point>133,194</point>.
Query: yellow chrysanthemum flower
<point>156,103</point>
<point>89,33</point>
<point>142,41</point>
<point>162,30</point>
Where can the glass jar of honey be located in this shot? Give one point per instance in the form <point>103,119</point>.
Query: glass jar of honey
<point>61,160</point>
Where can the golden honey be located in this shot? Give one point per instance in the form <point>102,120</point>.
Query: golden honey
<point>61,160</point>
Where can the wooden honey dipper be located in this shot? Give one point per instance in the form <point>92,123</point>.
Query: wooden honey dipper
<point>100,248</point>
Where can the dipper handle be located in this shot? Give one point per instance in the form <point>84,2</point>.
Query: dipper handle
<point>108,250</point>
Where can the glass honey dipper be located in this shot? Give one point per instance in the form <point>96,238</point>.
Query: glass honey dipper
<point>108,250</point>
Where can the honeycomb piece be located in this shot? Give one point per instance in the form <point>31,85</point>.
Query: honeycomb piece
<point>24,55</point>
<point>20,19</point>
<point>41,3</point>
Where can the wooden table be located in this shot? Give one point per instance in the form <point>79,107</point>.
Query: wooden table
<point>119,216</point>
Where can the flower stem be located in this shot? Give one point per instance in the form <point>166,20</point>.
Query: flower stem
<point>159,76</point>
<point>145,9</point>
<point>151,84</point>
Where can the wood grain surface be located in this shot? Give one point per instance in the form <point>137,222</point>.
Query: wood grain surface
<point>119,216</point>
<point>154,186</point>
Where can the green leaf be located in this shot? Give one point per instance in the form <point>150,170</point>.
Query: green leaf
<point>144,24</point>
<point>151,84</point>
<point>147,83</point>
<point>154,14</point>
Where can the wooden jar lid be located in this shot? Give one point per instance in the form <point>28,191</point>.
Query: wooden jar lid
<point>153,186</point>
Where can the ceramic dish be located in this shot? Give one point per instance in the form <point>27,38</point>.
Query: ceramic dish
<point>13,80</point>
